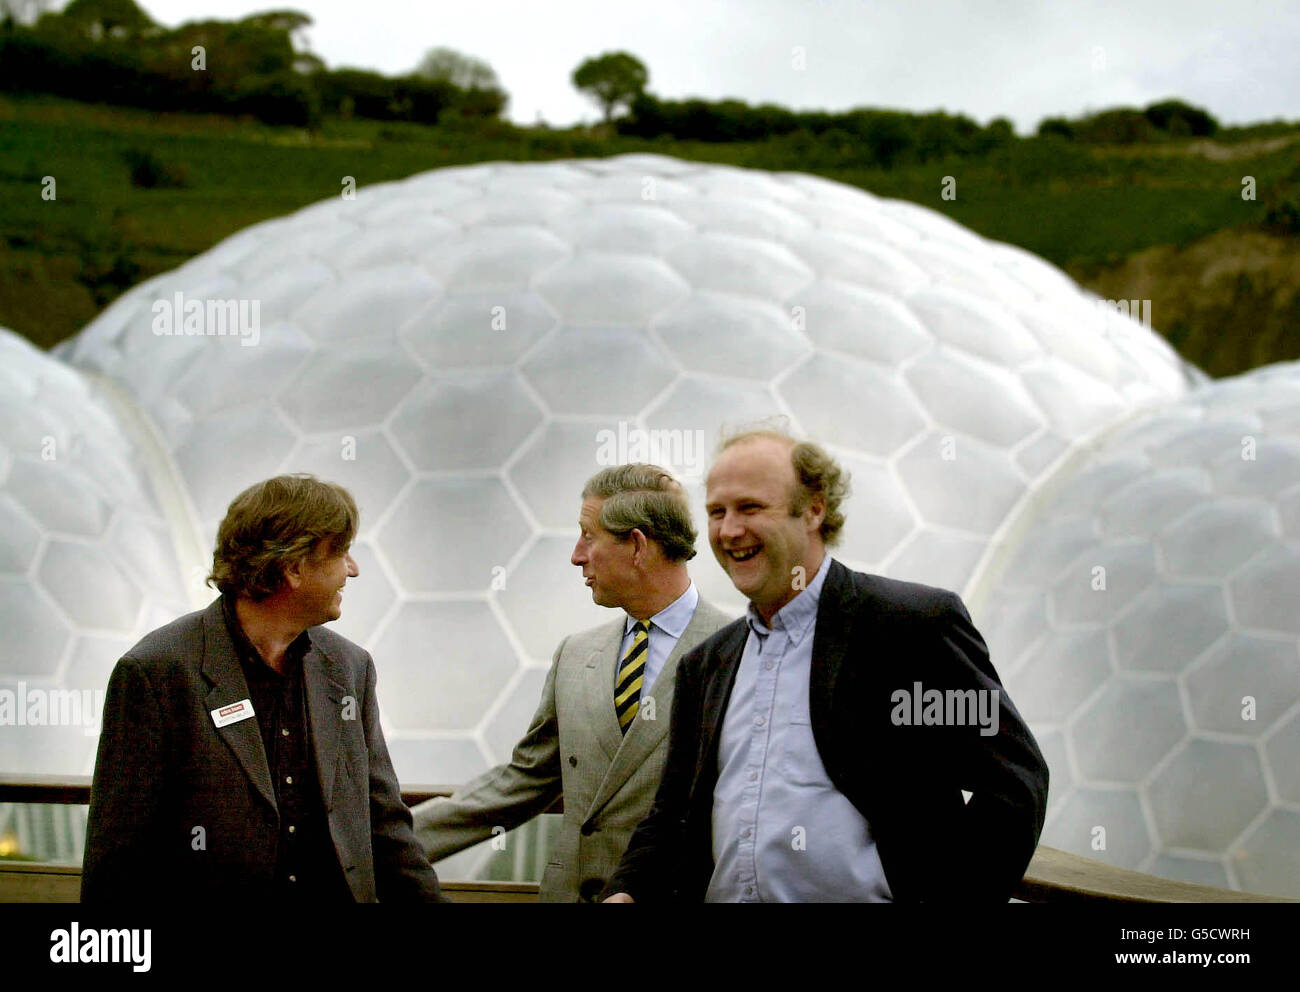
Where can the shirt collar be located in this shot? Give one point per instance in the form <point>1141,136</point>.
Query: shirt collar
<point>674,618</point>
<point>799,615</point>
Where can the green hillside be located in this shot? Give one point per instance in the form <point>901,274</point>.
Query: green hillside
<point>197,179</point>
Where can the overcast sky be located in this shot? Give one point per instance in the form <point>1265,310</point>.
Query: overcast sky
<point>1021,59</point>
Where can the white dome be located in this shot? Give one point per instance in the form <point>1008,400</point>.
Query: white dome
<point>87,558</point>
<point>1165,690</point>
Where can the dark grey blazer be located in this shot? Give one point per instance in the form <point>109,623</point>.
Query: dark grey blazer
<point>164,769</point>
<point>873,636</point>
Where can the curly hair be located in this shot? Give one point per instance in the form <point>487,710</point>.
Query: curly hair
<point>646,498</point>
<point>815,472</point>
<point>272,525</point>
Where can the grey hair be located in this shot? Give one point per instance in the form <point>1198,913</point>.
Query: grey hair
<point>647,498</point>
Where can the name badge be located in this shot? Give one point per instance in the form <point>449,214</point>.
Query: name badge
<point>233,713</point>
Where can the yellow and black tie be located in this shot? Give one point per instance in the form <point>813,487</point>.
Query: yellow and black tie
<point>627,694</point>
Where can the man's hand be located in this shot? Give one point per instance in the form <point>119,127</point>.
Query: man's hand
<point>619,897</point>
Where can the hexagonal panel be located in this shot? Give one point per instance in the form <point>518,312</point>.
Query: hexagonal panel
<point>92,589</point>
<point>1087,594</point>
<point>1067,669</point>
<point>57,496</point>
<point>30,621</point>
<point>611,289</point>
<point>1263,592</point>
<point>447,534</point>
<point>552,469</point>
<point>1125,731</point>
<point>544,599</point>
<point>464,330</point>
<point>19,539</point>
<point>364,463</point>
<point>370,304</point>
<point>1266,860</point>
<point>955,390</point>
<point>820,389</point>
<point>1266,671</point>
<point>473,420</point>
<point>1169,627</point>
<point>451,684</point>
<point>866,323</point>
<point>731,335</point>
<point>1117,812</point>
<point>1207,795</point>
<point>960,482</point>
<point>571,370</point>
<point>350,385</point>
<point>1214,539</point>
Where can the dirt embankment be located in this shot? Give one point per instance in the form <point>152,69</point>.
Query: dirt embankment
<point>1226,301</point>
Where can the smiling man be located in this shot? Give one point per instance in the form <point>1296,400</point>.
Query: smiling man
<point>241,755</point>
<point>791,776</point>
<point>600,732</point>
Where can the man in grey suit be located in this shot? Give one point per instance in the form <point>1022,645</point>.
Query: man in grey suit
<point>600,731</point>
<point>241,757</point>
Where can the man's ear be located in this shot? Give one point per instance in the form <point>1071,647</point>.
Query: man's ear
<point>293,573</point>
<point>641,549</point>
<point>815,511</point>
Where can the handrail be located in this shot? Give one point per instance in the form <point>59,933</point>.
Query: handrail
<point>1052,876</point>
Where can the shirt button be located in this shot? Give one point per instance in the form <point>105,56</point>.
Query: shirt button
<point>745,832</point>
<point>749,890</point>
<point>292,828</point>
<point>284,732</point>
<point>288,780</point>
<point>293,878</point>
<point>753,775</point>
<point>758,721</point>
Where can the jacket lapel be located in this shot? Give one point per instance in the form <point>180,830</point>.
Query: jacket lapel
<point>721,666</point>
<point>325,691</point>
<point>222,669</point>
<point>644,735</point>
<point>598,690</point>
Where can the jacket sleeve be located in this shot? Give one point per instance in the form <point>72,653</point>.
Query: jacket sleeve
<point>991,844</point>
<point>123,843</point>
<point>660,845</point>
<point>505,796</point>
<point>402,872</point>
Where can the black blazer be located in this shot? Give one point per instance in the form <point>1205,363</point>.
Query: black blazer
<point>164,768</point>
<point>873,636</point>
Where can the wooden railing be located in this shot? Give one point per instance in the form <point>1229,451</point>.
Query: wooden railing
<point>1052,876</point>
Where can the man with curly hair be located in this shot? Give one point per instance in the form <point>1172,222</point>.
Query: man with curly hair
<point>241,754</point>
<point>847,740</point>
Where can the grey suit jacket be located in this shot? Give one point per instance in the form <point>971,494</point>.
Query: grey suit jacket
<point>574,747</point>
<point>164,768</point>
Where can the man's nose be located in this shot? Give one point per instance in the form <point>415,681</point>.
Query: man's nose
<point>730,527</point>
<point>353,571</point>
<point>578,557</point>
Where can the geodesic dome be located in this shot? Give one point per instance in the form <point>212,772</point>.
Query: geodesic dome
<point>1147,622</point>
<point>460,348</point>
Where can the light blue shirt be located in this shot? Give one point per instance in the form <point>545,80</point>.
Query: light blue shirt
<point>666,627</point>
<point>782,832</point>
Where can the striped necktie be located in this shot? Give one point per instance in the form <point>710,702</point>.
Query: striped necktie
<point>627,693</point>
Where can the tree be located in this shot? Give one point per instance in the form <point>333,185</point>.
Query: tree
<point>463,71</point>
<point>611,80</point>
